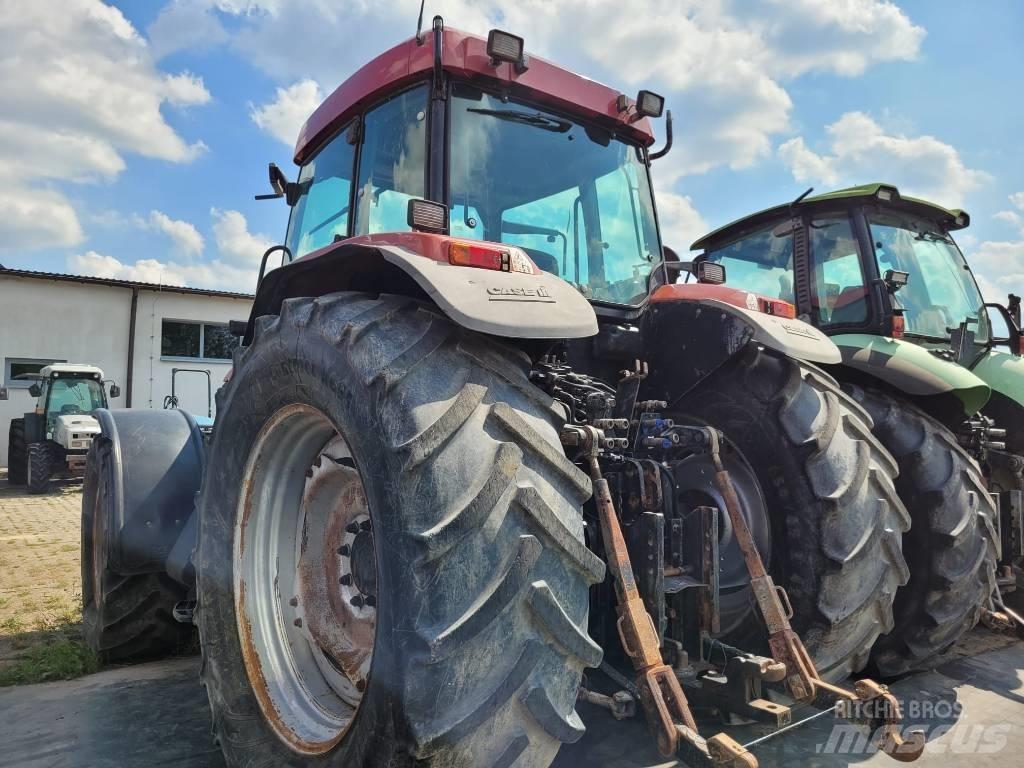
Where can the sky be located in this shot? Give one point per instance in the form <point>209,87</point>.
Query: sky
<point>134,134</point>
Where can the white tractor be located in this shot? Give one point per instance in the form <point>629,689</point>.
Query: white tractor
<point>52,441</point>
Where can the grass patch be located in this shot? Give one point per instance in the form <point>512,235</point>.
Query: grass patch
<point>61,660</point>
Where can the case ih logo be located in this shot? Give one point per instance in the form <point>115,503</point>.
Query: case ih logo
<point>508,293</point>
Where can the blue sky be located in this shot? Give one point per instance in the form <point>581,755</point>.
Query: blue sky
<point>135,134</point>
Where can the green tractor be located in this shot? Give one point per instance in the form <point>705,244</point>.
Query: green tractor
<point>881,275</point>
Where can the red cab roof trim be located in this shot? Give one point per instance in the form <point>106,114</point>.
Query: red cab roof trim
<point>465,56</point>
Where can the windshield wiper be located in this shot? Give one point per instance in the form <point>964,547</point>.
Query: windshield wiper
<point>536,119</point>
<point>934,237</point>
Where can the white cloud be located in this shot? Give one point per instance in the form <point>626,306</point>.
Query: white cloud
<point>722,64</point>
<point>186,238</point>
<point>185,90</point>
<point>1014,218</point>
<point>283,117</point>
<point>807,165</point>
<point>999,267</point>
<point>215,275</point>
<point>35,218</point>
<point>235,243</point>
<point>79,89</point>
<point>680,220</point>
<point>861,151</point>
<point>841,36</point>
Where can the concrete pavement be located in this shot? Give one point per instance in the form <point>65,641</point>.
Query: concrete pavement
<point>972,708</point>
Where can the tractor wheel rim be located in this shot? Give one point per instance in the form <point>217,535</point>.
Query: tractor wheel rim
<point>305,576</point>
<point>696,487</point>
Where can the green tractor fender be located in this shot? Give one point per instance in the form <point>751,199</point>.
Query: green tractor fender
<point>1004,373</point>
<point>912,369</point>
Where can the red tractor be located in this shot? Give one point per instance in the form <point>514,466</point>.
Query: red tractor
<point>477,439</point>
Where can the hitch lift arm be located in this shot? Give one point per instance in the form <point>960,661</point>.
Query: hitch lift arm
<point>661,696</point>
<point>802,678</point>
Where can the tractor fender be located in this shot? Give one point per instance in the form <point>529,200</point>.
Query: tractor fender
<point>912,369</point>
<point>794,338</point>
<point>696,338</point>
<point>791,337</point>
<point>156,467</point>
<point>507,304</point>
<point>1004,372</point>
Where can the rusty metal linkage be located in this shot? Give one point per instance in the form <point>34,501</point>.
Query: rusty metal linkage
<point>621,704</point>
<point>802,678</point>
<point>661,695</point>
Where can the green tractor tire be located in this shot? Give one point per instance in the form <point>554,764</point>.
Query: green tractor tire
<point>951,545</point>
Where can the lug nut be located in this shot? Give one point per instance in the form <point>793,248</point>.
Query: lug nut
<point>365,525</point>
<point>352,527</point>
<point>370,601</point>
<point>297,622</point>
<point>293,602</point>
<point>345,580</point>
<point>357,601</point>
<point>344,550</point>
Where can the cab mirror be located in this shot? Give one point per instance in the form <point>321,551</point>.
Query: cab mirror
<point>115,391</point>
<point>35,390</point>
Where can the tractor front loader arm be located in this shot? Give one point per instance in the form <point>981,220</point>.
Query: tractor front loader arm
<point>868,698</point>
<point>661,696</point>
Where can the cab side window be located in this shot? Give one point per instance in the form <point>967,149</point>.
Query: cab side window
<point>392,163</point>
<point>322,211</point>
<point>840,294</point>
<point>761,262</point>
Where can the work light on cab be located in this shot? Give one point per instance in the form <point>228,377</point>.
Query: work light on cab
<point>503,46</point>
<point>428,216</point>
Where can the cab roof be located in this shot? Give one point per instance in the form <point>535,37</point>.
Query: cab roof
<point>465,56</point>
<point>877,193</point>
<point>75,369</point>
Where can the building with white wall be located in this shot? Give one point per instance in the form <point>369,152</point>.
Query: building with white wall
<point>136,332</point>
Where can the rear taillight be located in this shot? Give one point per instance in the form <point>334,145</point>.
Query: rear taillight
<point>777,307</point>
<point>465,253</point>
<point>899,326</point>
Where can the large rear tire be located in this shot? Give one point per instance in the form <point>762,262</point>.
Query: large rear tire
<point>951,546</point>
<point>828,485</point>
<point>17,456</point>
<point>124,618</point>
<point>481,588</point>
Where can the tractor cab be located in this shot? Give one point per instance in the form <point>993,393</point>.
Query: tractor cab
<point>566,188</point>
<point>881,274</point>
<point>53,439</point>
<point>66,396</point>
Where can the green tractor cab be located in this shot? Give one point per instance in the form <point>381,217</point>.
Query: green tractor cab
<point>881,274</point>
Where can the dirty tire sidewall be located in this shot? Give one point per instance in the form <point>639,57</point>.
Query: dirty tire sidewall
<point>17,458</point>
<point>482,575</point>
<point>124,618</point>
<point>828,483</point>
<point>951,545</point>
<point>40,460</point>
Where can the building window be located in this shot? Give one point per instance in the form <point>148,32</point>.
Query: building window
<point>196,341</point>
<point>16,366</point>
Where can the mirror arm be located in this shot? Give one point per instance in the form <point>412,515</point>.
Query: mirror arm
<point>668,138</point>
